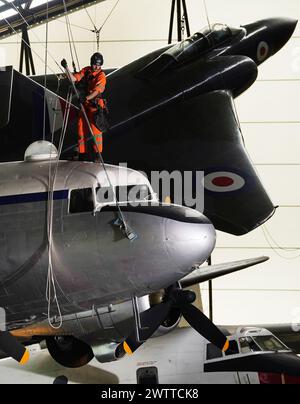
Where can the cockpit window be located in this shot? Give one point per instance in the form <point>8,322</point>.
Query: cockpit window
<point>201,42</point>
<point>81,200</point>
<point>266,343</point>
<point>249,345</point>
<point>270,343</point>
<point>217,34</point>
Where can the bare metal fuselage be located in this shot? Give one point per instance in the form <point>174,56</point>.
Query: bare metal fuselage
<point>94,264</point>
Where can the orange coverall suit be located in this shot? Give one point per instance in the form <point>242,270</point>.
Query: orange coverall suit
<point>96,81</point>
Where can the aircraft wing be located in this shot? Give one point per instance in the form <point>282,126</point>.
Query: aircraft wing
<point>198,134</point>
<point>203,274</point>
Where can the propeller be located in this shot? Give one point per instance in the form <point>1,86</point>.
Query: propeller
<point>176,298</point>
<point>12,347</point>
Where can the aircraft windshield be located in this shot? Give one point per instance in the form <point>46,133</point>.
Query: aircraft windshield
<point>270,343</point>
<point>201,42</point>
<point>265,343</point>
<point>218,33</point>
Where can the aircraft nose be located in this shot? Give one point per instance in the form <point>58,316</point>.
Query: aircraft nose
<point>283,29</point>
<point>272,34</point>
<point>189,241</point>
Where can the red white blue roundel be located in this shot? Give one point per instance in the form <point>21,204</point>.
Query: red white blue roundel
<point>223,181</point>
<point>262,51</point>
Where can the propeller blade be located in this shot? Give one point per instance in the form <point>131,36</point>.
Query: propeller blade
<point>204,326</point>
<point>13,348</point>
<point>151,319</point>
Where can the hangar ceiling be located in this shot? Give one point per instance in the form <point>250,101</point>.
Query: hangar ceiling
<point>35,12</point>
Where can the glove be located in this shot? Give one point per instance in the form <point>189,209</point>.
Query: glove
<point>82,98</point>
<point>64,63</point>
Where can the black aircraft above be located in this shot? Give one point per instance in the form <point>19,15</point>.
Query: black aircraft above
<point>170,110</point>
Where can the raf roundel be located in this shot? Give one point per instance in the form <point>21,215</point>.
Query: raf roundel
<point>223,181</point>
<point>262,51</point>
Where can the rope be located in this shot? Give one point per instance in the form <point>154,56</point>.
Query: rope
<point>25,21</point>
<point>71,38</point>
<point>45,77</point>
<point>26,43</point>
<point>206,12</point>
<point>51,291</point>
<point>269,237</point>
<point>121,216</point>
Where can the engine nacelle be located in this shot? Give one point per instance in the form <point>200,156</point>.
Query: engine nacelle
<point>170,323</point>
<point>173,319</point>
<point>107,351</point>
<point>69,351</point>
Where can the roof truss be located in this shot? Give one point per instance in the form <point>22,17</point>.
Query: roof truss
<point>34,15</point>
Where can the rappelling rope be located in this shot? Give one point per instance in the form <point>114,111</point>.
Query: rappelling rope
<point>121,216</point>
<point>51,291</point>
<point>45,76</point>
<point>71,38</point>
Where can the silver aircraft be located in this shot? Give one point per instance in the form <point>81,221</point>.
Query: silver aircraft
<point>91,261</point>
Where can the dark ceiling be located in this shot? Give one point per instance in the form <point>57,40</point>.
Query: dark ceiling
<point>36,15</point>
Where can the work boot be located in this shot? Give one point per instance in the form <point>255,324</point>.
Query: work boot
<point>96,158</point>
<point>82,157</point>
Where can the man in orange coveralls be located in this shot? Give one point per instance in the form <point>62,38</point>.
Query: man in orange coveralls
<point>94,81</point>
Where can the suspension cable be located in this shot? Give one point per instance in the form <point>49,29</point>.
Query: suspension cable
<point>71,38</point>
<point>29,46</point>
<point>26,22</point>
<point>206,12</point>
<point>96,30</point>
<point>45,76</point>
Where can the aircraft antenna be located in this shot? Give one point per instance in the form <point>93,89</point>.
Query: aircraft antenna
<point>206,13</point>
